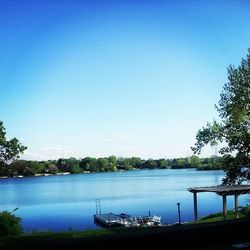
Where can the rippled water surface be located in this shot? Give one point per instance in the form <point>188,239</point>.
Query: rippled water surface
<point>67,202</point>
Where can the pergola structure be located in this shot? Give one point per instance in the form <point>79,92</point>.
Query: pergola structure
<point>223,191</point>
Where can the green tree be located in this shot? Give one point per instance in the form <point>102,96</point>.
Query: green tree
<point>51,168</point>
<point>61,165</point>
<point>195,161</point>
<point>124,163</point>
<point>89,164</point>
<point>10,224</point>
<point>102,164</point>
<point>112,159</point>
<point>234,128</point>
<point>180,163</point>
<point>136,162</point>
<point>18,167</point>
<point>73,165</point>
<point>9,150</point>
<point>162,163</point>
<point>150,164</point>
<point>112,163</point>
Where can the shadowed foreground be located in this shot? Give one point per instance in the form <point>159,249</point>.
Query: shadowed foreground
<point>217,235</point>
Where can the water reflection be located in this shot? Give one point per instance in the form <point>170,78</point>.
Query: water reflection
<point>62,202</point>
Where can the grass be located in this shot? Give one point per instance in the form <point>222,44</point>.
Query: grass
<point>243,213</point>
<point>49,235</point>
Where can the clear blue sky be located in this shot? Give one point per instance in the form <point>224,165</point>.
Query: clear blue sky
<point>125,78</point>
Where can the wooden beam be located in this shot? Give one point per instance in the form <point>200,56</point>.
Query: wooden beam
<point>236,206</point>
<point>195,208</point>
<point>224,198</point>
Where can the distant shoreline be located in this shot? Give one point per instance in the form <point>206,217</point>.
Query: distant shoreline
<point>61,166</point>
<point>87,172</point>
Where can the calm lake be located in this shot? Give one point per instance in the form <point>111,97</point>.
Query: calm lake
<point>62,203</point>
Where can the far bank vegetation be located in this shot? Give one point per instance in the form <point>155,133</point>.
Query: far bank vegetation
<point>106,164</point>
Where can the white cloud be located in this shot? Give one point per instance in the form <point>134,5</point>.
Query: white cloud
<point>52,149</point>
<point>48,153</point>
<point>29,155</point>
<point>132,150</point>
<point>115,137</point>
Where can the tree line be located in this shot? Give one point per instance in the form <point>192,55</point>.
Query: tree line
<point>105,164</point>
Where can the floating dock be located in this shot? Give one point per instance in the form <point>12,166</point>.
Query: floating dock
<point>109,220</point>
<point>125,220</point>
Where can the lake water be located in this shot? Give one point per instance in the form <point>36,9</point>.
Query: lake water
<point>62,203</point>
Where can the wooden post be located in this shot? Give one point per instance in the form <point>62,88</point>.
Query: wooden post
<point>224,198</point>
<point>179,212</point>
<point>236,206</point>
<point>195,208</point>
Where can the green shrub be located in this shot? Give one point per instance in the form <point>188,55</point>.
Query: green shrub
<point>245,210</point>
<point>10,224</point>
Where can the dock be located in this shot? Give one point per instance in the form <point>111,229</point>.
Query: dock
<point>125,220</point>
<point>109,220</point>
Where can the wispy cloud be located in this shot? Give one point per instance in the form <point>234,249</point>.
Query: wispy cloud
<point>115,137</point>
<point>29,155</point>
<point>52,149</point>
<point>56,149</point>
<point>132,150</point>
<point>47,153</point>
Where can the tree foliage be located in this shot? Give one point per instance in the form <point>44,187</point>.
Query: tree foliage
<point>233,130</point>
<point>9,149</point>
<point>105,164</point>
<point>10,224</point>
